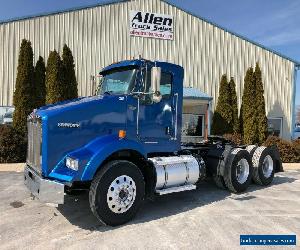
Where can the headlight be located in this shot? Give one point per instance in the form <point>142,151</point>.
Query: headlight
<point>72,163</point>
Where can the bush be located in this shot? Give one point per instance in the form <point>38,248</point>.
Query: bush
<point>235,123</point>
<point>221,121</point>
<point>296,144</point>
<point>235,138</point>
<point>247,118</point>
<point>39,82</point>
<point>70,85</point>
<point>287,150</point>
<point>24,100</point>
<point>260,109</point>
<point>13,145</point>
<point>253,118</point>
<point>54,79</point>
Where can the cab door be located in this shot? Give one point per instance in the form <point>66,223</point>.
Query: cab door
<point>156,123</point>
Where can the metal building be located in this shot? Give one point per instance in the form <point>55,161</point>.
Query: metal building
<point>102,34</point>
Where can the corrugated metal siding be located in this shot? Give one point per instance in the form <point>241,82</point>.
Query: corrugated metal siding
<point>99,36</point>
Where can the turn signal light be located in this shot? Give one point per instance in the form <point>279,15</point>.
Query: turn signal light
<point>72,163</point>
<point>122,133</point>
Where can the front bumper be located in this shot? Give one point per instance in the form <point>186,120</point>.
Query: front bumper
<point>45,190</point>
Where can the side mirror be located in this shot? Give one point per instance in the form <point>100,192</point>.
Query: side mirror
<point>155,83</point>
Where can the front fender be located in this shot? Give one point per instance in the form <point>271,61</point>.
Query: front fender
<point>103,148</point>
<point>91,156</point>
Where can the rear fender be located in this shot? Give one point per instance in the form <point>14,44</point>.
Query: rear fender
<point>277,158</point>
<point>216,159</point>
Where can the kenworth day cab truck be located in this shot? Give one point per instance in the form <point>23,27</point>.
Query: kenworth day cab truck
<point>124,145</point>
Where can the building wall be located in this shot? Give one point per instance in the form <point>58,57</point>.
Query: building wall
<point>298,114</point>
<point>99,36</point>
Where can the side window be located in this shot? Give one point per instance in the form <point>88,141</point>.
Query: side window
<point>147,80</point>
<point>275,126</point>
<point>166,84</point>
<point>146,99</point>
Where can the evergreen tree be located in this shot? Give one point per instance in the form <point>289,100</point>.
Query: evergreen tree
<point>260,109</point>
<point>39,82</point>
<point>55,89</point>
<point>23,101</point>
<point>71,90</point>
<point>234,123</point>
<point>248,108</point>
<point>223,113</point>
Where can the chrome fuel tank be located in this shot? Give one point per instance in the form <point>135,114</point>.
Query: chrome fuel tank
<point>176,171</point>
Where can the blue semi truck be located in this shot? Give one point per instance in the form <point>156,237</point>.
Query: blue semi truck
<point>124,145</point>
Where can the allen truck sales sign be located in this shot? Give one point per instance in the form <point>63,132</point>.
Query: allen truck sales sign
<point>153,25</point>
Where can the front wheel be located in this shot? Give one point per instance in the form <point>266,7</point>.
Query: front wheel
<point>117,192</point>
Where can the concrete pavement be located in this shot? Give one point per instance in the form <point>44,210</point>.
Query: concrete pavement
<point>207,218</point>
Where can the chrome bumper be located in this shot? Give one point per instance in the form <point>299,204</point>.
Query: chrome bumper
<point>45,190</point>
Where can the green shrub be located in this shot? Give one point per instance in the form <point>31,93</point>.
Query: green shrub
<point>23,99</point>
<point>13,145</point>
<point>248,111</point>
<point>221,121</point>
<point>287,150</point>
<point>296,144</point>
<point>261,122</point>
<point>253,118</point>
<point>234,123</point>
<point>70,91</point>
<point>235,138</point>
<point>55,81</point>
<point>39,82</point>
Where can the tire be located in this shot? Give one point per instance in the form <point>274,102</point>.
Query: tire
<point>251,149</point>
<point>105,194</point>
<point>263,161</point>
<point>74,192</point>
<point>236,181</point>
<point>219,181</point>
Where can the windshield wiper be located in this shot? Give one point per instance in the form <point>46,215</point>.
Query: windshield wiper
<point>108,92</point>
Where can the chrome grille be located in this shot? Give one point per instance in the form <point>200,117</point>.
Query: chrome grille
<point>34,147</point>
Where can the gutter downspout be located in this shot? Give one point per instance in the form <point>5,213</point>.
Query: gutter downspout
<point>209,117</point>
<point>293,102</point>
<point>206,122</point>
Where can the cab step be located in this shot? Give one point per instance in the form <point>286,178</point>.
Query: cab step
<point>176,189</point>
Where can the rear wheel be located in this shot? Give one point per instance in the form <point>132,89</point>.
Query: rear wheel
<point>238,170</point>
<point>263,166</point>
<point>251,149</point>
<point>219,181</point>
<point>116,193</point>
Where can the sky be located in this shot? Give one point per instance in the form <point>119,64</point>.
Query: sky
<point>272,23</point>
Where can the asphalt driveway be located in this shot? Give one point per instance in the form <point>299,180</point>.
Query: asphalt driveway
<point>207,218</point>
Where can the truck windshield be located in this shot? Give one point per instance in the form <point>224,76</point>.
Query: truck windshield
<point>118,81</point>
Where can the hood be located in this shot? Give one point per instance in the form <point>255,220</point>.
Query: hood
<point>69,104</point>
<point>72,124</point>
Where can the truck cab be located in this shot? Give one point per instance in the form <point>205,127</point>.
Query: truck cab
<point>124,144</point>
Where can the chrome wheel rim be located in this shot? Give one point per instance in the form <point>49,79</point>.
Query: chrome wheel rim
<point>242,171</point>
<point>267,167</point>
<point>121,194</point>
